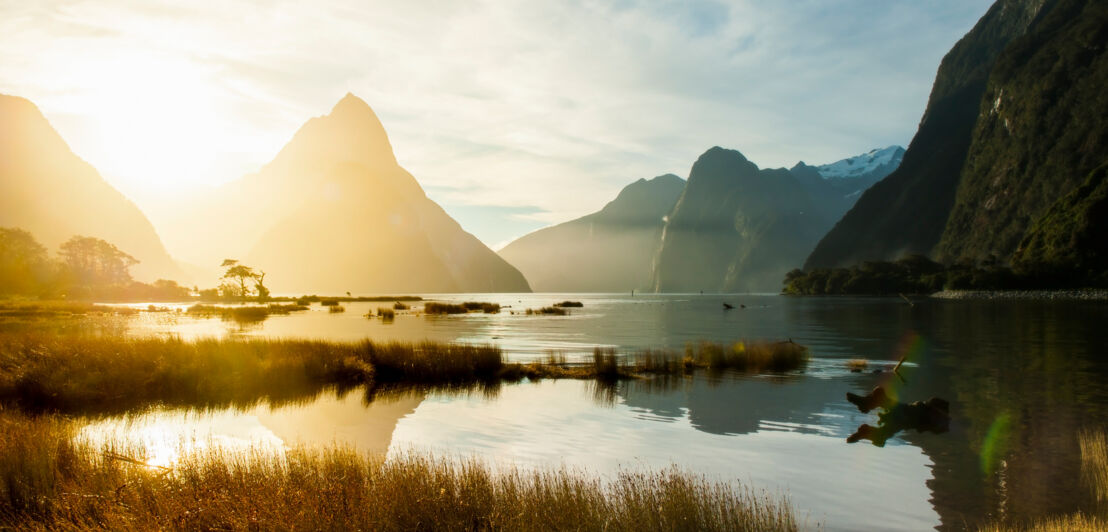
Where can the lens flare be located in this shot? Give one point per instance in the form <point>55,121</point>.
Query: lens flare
<point>995,446</point>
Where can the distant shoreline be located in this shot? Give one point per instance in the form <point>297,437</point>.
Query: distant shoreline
<point>1083,294</point>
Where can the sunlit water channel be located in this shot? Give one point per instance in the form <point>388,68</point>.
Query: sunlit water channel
<point>1024,376</point>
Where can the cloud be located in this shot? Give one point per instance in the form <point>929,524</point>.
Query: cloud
<point>550,105</point>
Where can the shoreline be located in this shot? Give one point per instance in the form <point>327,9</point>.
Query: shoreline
<point>1081,294</point>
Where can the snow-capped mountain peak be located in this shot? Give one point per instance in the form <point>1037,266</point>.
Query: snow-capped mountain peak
<point>883,160</point>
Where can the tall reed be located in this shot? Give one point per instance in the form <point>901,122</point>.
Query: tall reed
<point>50,480</point>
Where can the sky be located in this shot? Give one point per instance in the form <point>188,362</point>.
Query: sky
<point>512,114</point>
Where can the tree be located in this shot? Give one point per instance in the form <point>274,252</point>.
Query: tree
<point>24,265</point>
<point>91,262</point>
<point>239,275</point>
<point>260,288</point>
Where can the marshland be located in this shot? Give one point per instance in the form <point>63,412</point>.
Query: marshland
<point>749,401</point>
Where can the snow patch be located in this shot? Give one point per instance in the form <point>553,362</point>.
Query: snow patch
<point>863,164</point>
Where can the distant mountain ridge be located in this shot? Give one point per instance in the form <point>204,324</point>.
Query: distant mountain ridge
<point>49,191</point>
<point>732,227</point>
<point>611,250</point>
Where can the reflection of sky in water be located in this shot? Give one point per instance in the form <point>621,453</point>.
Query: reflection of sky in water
<point>557,422</point>
<point>794,447</point>
<point>1040,363</point>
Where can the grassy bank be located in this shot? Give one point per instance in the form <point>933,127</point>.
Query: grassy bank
<point>100,373</point>
<point>1094,476</point>
<point>47,481</point>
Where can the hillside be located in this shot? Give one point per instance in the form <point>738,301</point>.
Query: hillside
<point>907,211</point>
<point>1041,136</point>
<point>49,191</point>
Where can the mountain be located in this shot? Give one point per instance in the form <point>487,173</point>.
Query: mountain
<point>334,212</point>
<point>874,165</point>
<point>1041,136</point>
<point>738,228</point>
<point>1008,159</point>
<point>50,192</point>
<point>906,211</point>
<point>851,176</point>
<point>611,250</point>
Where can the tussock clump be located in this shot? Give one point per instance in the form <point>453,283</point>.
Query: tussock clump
<point>468,306</point>
<point>569,304</point>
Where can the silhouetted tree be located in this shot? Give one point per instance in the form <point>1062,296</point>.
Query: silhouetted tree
<point>91,262</point>
<point>259,286</point>
<point>239,275</point>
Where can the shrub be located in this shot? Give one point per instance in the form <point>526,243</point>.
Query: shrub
<point>569,304</point>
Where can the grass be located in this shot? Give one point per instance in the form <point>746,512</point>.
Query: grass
<point>54,308</point>
<point>329,302</point>
<point>434,307</point>
<point>1094,461</point>
<point>40,371</point>
<point>400,306</point>
<point>1094,475</point>
<point>556,311</point>
<point>243,314</point>
<point>50,480</point>
<point>569,304</point>
<point>386,314</point>
<point>857,364</point>
<point>741,356</point>
<point>307,300</point>
<point>335,309</point>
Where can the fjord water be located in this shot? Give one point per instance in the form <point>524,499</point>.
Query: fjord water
<point>1022,379</point>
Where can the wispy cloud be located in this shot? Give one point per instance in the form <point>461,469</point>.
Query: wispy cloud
<point>549,106</point>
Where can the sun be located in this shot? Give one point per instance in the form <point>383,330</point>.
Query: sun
<point>156,120</point>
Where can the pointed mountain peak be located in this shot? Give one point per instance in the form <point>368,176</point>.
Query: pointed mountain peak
<point>350,133</point>
<point>350,104</point>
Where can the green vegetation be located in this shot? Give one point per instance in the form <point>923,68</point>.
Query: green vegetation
<point>434,307</point>
<point>913,274</point>
<point>569,304</point>
<point>1065,247</point>
<point>51,480</point>
<point>556,311</point>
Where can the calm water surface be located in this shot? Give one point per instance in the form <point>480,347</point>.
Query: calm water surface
<point>1022,379</point>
